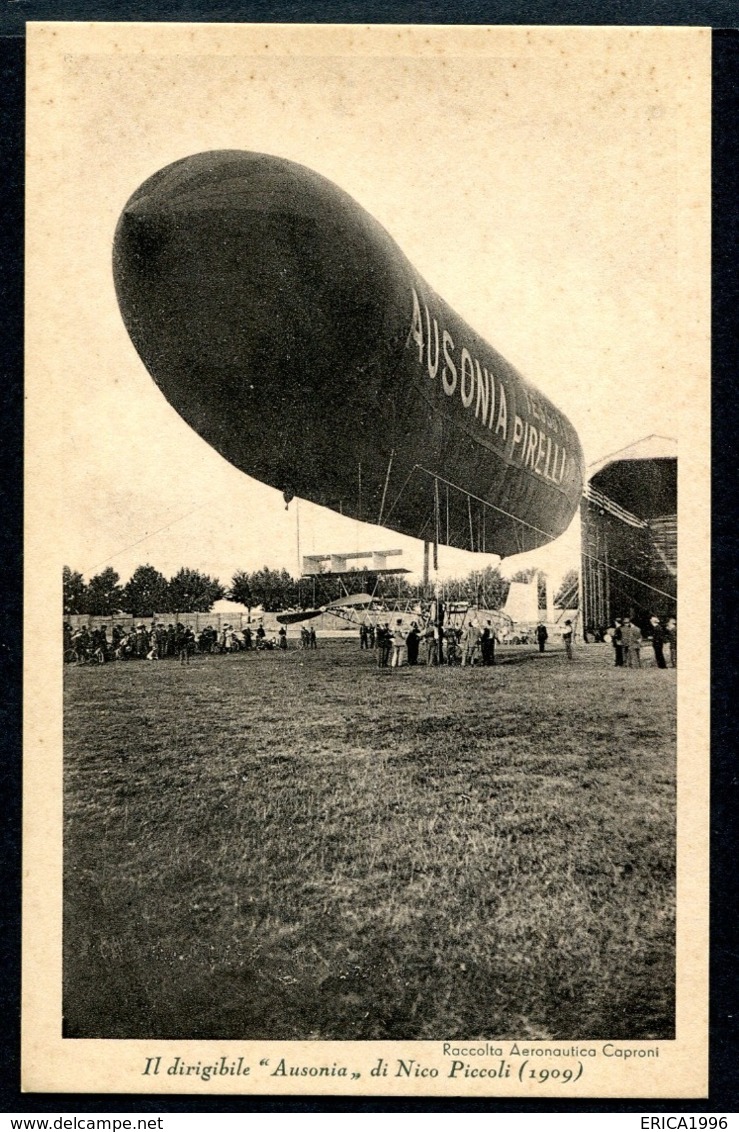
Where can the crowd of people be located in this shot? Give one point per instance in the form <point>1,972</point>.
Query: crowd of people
<point>472,644</point>
<point>433,644</point>
<point>167,642</point>
<point>308,638</point>
<point>627,641</point>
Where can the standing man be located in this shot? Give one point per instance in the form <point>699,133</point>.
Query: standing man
<point>488,644</point>
<point>411,644</point>
<point>431,645</point>
<point>567,639</point>
<point>398,645</point>
<point>541,635</point>
<point>470,644</point>
<point>379,634</point>
<point>452,645</point>
<point>387,644</point>
<point>383,637</point>
<point>659,639</point>
<point>186,644</point>
<point>632,654</point>
<point>617,642</point>
<point>671,634</point>
<point>626,633</point>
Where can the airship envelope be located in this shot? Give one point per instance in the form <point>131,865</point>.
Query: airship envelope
<point>288,329</point>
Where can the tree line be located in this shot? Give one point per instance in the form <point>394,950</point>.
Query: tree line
<point>148,591</point>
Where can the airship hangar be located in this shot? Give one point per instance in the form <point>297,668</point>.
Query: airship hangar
<point>629,534</point>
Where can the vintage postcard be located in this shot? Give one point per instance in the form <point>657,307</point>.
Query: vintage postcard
<point>367,404</point>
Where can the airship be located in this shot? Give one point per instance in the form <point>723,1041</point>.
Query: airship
<point>286,326</point>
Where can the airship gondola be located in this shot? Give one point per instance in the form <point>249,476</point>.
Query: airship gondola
<point>286,326</point>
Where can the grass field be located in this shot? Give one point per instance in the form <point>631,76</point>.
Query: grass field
<point>299,845</point>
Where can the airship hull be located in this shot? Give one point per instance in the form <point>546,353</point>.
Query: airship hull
<point>288,329</point>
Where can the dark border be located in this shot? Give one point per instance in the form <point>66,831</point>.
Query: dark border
<point>724,1065</point>
<point>696,13</point>
<point>724,891</point>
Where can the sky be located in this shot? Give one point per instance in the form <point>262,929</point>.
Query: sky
<point>539,180</point>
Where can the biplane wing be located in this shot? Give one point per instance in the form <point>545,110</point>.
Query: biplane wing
<point>296,615</point>
<point>350,599</point>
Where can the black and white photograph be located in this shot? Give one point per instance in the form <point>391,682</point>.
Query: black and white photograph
<point>367,441</point>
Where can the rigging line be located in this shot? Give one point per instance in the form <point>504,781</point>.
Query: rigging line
<point>623,573</point>
<point>400,493</point>
<point>469,512</point>
<point>610,455</point>
<point>149,535</point>
<point>437,520</point>
<point>546,534</point>
<point>485,503</point>
<point>437,511</point>
<point>387,481</point>
<point>422,530</point>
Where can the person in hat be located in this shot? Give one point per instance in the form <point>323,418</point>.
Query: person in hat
<point>142,641</point>
<point>487,644</point>
<point>384,644</point>
<point>186,643</point>
<point>617,642</point>
<point>567,639</point>
<point>471,639</point>
<point>659,639</point>
<point>626,634</point>
<point>380,639</point>
<point>398,645</point>
<point>412,642</point>
<point>632,643</point>
<point>671,634</point>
